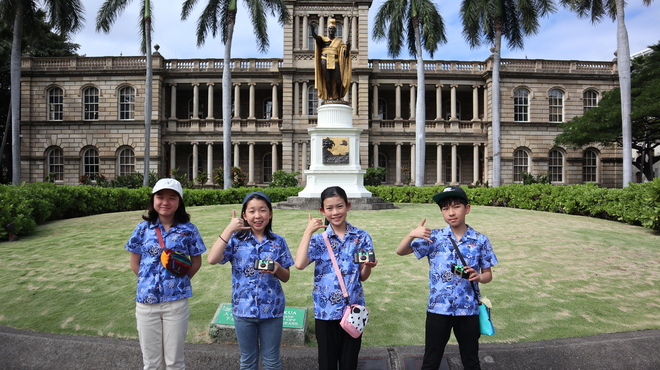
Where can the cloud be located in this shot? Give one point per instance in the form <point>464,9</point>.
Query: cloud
<point>562,35</point>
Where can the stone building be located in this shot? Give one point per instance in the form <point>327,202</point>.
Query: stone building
<point>85,115</point>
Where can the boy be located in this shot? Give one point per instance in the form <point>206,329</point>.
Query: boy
<point>452,302</point>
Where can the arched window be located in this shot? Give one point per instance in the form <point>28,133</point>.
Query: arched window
<point>90,103</point>
<point>382,160</point>
<point>268,108</point>
<point>55,104</point>
<point>90,161</point>
<point>556,105</point>
<point>126,159</point>
<point>590,166</point>
<point>447,165</point>
<point>126,103</point>
<point>55,165</point>
<point>556,166</point>
<point>521,105</point>
<point>589,100</point>
<point>312,101</point>
<point>267,167</point>
<point>448,110</point>
<point>520,165</point>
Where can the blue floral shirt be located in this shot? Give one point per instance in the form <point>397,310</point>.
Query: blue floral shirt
<point>156,284</point>
<point>450,294</point>
<point>329,303</point>
<point>256,294</point>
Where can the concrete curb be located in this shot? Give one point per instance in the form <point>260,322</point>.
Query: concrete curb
<point>24,349</point>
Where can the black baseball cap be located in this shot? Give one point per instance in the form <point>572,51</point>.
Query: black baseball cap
<point>450,191</point>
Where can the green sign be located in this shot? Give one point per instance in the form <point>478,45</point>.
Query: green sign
<point>294,318</point>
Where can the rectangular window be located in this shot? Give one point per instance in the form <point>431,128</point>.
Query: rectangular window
<point>126,103</point>
<point>91,162</point>
<point>556,166</point>
<point>520,165</point>
<point>91,103</point>
<point>589,100</point>
<point>126,162</point>
<point>521,105</point>
<point>55,104</point>
<point>589,166</point>
<point>556,106</point>
<point>56,164</point>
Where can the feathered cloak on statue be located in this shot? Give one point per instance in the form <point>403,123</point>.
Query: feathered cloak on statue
<point>345,68</point>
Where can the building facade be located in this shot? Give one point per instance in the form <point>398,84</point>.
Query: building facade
<point>85,115</point>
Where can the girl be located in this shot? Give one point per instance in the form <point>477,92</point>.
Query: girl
<point>162,297</point>
<point>260,259</point>
<point>335,346</point>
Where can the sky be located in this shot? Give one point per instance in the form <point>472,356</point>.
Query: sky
<point>562,35</point>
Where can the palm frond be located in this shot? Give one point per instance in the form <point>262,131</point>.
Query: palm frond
<point>108,14</point>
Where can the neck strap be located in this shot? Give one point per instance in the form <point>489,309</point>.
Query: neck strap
<point>458,251</point>
<point>336,266</point>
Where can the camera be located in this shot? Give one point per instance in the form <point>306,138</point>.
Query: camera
<point>264,265</point>
<point>362,257</point>
<point>459,270</point>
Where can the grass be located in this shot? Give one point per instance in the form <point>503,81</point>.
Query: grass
<point>559,276</point>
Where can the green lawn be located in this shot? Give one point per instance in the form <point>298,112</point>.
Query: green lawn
<point>559,276</point>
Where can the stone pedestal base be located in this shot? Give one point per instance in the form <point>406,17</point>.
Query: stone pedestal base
<point>359,204</point>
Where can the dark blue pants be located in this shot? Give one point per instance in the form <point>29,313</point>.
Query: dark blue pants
<point>438,330</point>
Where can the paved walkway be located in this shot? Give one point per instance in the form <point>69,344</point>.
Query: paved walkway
<point>21,349</point>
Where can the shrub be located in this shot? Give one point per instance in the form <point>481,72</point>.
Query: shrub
<point>282,179</point>
<point>375,176</point>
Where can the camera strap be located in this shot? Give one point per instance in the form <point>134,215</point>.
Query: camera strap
<point>336,266</point>
<point>458,251</point>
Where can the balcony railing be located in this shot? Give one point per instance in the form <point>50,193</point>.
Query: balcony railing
<point>215,125</point>
<point>432,126</point>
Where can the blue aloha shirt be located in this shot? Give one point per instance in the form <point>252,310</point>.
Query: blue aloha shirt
<point>450,294</point>
<point>256,294</point>
<point>329,303</point>
<point>155,284</point>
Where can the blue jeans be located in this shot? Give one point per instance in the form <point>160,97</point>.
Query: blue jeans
<point>259,337</point>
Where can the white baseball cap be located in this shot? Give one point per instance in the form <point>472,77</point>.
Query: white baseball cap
<point>171,184</point>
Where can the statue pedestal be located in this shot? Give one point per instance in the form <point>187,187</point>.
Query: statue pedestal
<point>335,154</point>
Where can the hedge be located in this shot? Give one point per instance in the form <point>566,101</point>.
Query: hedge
<point>29,205</point>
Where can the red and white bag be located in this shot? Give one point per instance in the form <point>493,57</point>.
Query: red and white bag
<point>355,316</point>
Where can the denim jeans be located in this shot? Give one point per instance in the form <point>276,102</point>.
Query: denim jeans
<point>259,337</point>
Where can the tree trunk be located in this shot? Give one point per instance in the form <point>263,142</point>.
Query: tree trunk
<point>420,112</point>
<point>623,64</point>
<point>15,82</point>
<point>226,103</point>
<point>495,102</point>
<point>148,94</point>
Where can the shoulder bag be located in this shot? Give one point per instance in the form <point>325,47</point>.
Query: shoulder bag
<point>355,316</point>
<point>174,262</point>
<point>485,323</point>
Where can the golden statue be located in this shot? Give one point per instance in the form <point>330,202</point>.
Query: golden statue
<point>332,64</point>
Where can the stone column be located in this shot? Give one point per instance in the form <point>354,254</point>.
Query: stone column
<point>398,164</point>
<point>412,160</point>
<point>304,163</point>
<point>475,163</point>
<point>438,102</point>
<point>453,103</point>
<point>296,98</point>
<point>173,101</point>
<point>296,156</point>
<point>237,100</point>
<point>486,103</point>
<point>305,33</point>
<point>375,102</point>
<point>438,165</point>
<point>305,102</point>
<point>275,113</point>
<point>251,163</point>
<point>398,102</point>
<point>375,164</point>
<point>172,155</point>
<point>195,113</point>
<point>274,155</point>
<point>210,100</point>
<point>354,98</point>
<point>195,169</point>
<point>454,164</point>
<point>354,28</point>
<point>237,160</point>
<point>252,98</point>
<point>209,163</point>
<point>413,95</point>
<point>296,33</point>
<point>344,35</point>
<point>475,102</point>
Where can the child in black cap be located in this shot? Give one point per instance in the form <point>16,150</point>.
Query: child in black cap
<point>452,302</point>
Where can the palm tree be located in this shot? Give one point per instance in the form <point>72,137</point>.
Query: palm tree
<point>615,10</point>
<point>490,20</point>
<point>66,16</point>
<point>222,14</point>
<point>104,20</point>
<point>420,22</point>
